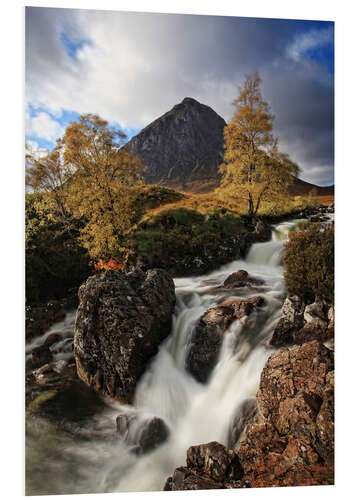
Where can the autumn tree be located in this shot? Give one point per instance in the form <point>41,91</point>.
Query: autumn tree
<point>102,187</point>
<point>47,173</point>
<point>254,169</point>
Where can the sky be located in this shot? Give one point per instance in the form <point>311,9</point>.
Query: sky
<point>130,68</point>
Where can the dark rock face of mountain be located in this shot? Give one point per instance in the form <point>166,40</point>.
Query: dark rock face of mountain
<point>183,145</point>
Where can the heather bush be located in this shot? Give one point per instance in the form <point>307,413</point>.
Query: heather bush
<point>309,263</point>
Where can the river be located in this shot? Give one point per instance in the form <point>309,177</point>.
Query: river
<point>91,459</point>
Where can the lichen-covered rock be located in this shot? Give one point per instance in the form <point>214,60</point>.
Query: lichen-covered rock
<point>207,336</point>
<point>292,319</point>
<point>300,324</point>
<point>291,443</point>
<point>209,466</point>
<point>121,321</point>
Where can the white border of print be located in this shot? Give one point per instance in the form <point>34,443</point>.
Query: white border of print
<point>12,207</point>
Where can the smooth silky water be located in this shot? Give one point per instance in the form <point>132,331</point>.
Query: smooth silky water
<point>97,461</point>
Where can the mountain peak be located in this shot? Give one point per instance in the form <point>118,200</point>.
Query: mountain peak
<point>183,145</point>
<point>189,100</point>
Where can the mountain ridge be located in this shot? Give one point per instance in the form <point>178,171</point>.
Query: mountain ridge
<point>183,149</point>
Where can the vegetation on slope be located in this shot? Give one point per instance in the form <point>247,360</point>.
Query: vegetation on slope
<point>171,238</point>
<point>309,263</point>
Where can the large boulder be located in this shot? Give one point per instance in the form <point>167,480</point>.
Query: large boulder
<point>121,321</point>
<point>209,466</point>
<point>291,441</point>
<point>207,335</point>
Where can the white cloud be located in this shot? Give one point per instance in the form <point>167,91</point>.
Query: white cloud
<point>136,66</point>
<point>36,150</point>
<point>43,126</point>
<point>313,39</point>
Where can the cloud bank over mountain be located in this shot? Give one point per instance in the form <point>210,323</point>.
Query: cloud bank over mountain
<point>131,68</point>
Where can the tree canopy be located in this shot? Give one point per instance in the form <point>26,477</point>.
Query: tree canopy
<point>48,173</point>
<point>253,169</point>
<point>93,178</point>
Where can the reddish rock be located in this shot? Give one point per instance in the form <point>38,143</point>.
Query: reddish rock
<point>291,441</point>
<point>240,279</point>
<point>207,336</point>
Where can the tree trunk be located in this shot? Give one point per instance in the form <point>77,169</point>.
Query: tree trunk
<point>250,206</point>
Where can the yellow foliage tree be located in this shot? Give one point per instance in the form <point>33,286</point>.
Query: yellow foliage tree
<point>102,187</point>
<point>47,173</point>
<point>254,169</point>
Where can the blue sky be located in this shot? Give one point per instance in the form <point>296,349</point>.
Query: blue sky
<point>132,67</point>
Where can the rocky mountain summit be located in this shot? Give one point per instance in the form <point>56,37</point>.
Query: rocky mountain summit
<point>183,145</point>
<point>183,149</point>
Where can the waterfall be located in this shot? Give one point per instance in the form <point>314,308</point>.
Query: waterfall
<point>194,413</point>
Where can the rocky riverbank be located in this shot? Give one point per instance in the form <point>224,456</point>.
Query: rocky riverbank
<point>282,437</point>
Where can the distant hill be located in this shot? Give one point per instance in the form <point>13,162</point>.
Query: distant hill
<point>183,148</point>
<point>300,188</point>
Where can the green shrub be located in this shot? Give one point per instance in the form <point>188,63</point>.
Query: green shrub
<point>172,238</point>
<point>309,263</point>
<point>55,261</point>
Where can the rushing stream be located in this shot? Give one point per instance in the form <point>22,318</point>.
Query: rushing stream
<point>94,460</point>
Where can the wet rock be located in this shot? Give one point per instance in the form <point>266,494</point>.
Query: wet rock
<point>53,338</point>
<point>207,336</point>
<point>184,479</point>
<point>208,466</point>
<point>292,319</point>
<point>316,313</point>
<point>299,324</point>
<point>331,323</point>
<point>262,231</point>
<point>66,401</point>
<point>49,373</point>
<point>39,318</point>
<point>325,422</point>
<point>142,435</point>
<point>241,279</point>
<point>290,442</point>
<point>244,414</point>
<point>121,321</point>
<point>41,355</point>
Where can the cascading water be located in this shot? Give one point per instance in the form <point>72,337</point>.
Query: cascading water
<point>194,413</point>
